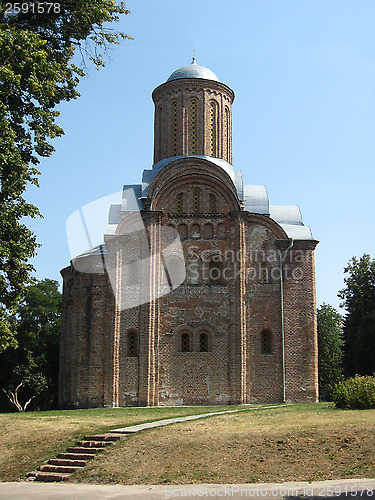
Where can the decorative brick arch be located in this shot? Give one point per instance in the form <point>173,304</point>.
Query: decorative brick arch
<point>266,221</point>
<point>185,172</point>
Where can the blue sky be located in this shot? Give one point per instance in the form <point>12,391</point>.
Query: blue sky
<point>303,72</point>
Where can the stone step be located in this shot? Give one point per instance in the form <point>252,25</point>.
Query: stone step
<point>75,456</point>
<point>66,462</point>
<point>57,468</point>
<point>84,450</point>
<point>49,476</point>
<point>94,444</point>
<point>103,437</point>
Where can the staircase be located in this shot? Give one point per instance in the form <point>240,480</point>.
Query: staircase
<point>75,457</point>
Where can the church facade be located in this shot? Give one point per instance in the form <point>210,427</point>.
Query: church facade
<point>203,292</point>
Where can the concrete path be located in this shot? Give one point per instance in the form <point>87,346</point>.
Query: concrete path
<point>349,488</point>
<point>168,421</point>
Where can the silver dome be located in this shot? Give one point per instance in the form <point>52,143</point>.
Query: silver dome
<point>193,71</point>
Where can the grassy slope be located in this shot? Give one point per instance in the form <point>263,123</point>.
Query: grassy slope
<point>303,442</point>
<point>28,439</point>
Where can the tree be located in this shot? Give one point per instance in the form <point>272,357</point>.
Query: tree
<point>359,323</point>
<point>330,345</point>
<point>34,362</point>
<point>13,398</point>
<point>36,74</point>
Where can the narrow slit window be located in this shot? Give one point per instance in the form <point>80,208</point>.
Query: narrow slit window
<point>193,127</point>
<point>266,342</point>
<point>174,133</point>
<point>213,126</point>
<point>264,275</point>
<point>196,202</point>
<point>212,204</point>
<point>180,203</point>
<point>203,342</point>
<point>132,344</point>
<point>185,342</point>
<point>160,120</point>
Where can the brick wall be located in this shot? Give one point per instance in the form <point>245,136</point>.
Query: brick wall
<point>96,366</point>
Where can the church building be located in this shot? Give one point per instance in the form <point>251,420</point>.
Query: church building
<point>202,292</point>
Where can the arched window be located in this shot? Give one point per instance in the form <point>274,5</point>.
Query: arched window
<point>203,342</point>
<point>193,127</point>
<point>221,231</point>
<point>212,204</point>
<point>195,231</point>
<point>266,341</point>
<point>196,201</point>
<point>132,344</point>
<point>183,231</point>
<point>208,230</point>
<point>185,342</point>
<point>180,203</point>
<point>159,129</point>
<point>174,131</point>
<point>264,278</point>
<point>213,128</point>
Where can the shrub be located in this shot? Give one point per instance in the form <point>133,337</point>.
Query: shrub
<point>357,393</point>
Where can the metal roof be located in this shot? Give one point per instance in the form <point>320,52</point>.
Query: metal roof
<point>95,251</point>
<point>149,175</point>
<point>255,199</point>
<point>193,70</point>
<point>297,232</point>
<point>290,219</point>
<point>238,181</point>
<point>286,214</point>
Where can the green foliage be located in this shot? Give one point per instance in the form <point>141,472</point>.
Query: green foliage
<point>36,74</point>
<point>330,346</point>
<point>357,393</point>
<point>359,324</point>
<point>35,361</point>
